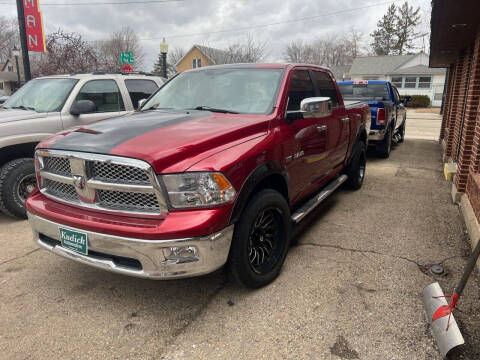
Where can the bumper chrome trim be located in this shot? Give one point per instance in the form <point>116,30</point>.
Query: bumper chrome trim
<point>376,135</point>
<point>211,251</point>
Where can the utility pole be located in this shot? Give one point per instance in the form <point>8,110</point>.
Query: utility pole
<point>23,41</point>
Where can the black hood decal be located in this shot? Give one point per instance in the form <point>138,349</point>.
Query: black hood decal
<point>105,135</point>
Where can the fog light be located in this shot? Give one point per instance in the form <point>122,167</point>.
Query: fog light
<point>180,254</point>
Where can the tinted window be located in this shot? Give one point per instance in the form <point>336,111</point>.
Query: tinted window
<point>364,91</point>
<point>104,93</point>
<point>325,86</point>
<point>301,87</point>
<point>395,94</point>
<point>140,89</point>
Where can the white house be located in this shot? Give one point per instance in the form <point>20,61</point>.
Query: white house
<point>409,73</point>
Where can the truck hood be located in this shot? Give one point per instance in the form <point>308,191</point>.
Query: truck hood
<point>169,141</point>
<point>8,115</point>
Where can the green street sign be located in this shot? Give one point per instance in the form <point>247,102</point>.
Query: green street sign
<point>126,57</point>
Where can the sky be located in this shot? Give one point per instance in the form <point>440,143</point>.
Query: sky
<point>217,23</point>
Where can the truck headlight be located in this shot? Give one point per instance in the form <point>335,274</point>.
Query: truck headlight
<point>197,189</point>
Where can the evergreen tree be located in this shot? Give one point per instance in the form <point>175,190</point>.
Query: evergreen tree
<point>158,67</point>
<point>406,20</point>
<point>384,38</point>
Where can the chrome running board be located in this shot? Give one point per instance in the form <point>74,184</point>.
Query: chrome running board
<point>317,199</point>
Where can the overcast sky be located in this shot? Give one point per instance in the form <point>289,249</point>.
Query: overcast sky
<point>188,22</point>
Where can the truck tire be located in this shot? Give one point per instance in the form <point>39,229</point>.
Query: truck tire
<point>17,180</point>
<point>357,166</point>
<point>384,147</point>
<point>260,240</point>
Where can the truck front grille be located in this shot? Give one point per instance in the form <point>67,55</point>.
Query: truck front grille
<point>100,182</point>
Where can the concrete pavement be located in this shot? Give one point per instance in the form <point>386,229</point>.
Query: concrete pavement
<point>350,289</point>
<point>421,125</point>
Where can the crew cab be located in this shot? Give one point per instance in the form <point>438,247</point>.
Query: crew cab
<point>214,169</point>
<point>389,116</point>
<point>47,105</point>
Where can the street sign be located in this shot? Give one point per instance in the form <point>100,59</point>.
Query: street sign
<point>126,57</point>
<point>34,26</point>
<point>127,68</point>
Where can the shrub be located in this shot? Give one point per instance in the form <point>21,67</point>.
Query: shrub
<point>419,101</point>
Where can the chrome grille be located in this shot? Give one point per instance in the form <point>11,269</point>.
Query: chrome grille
<point>61,190</point>
<point>130,201</point>
<point>100,182</point>
<point>57,165</point>
<point>114,173</point>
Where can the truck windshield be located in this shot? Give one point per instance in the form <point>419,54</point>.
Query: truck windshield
<point>244,91</point>
<point>364,91</point>
<point>41,95</point>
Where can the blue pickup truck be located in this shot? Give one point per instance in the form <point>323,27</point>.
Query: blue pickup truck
<point>389,115</point>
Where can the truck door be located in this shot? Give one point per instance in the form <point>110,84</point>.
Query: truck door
<point>306,154</point>
<point>107,98</point>
<point>338,122</point>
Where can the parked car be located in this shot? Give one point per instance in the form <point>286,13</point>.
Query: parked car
<point>389,116</point>
<point>216,166</point>
<point>47,105</point>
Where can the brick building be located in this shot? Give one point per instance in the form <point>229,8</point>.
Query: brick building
<point>455,45</point>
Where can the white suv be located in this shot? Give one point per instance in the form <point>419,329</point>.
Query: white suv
<point>47,105</point>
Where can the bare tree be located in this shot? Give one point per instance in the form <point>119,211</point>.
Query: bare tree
<point>329,50</point>
<point>120,41</point>
<point>247,51</point>
<point>8,36</point>
<point>66,53</point>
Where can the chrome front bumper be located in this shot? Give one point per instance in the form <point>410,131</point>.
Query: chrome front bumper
<point>376,135</point>
<point>153,259</point>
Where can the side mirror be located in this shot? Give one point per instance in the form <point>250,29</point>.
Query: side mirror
<point>83,107</point>
<point>141,102</point>
<point>316,106</point>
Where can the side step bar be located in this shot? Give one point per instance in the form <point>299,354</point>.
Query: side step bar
<point>317,199</point>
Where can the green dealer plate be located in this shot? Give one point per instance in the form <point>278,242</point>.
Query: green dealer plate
<point>74,240</point>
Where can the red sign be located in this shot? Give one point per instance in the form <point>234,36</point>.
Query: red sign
<point>34,26</point>
<point>127,68</point>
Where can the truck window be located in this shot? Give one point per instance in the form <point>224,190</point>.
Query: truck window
<point>104,93</point>
<point>140,89</point>
<point>325,86</point>
<point>301,87</point>
<point>363,91</point>
<point>395,94</point>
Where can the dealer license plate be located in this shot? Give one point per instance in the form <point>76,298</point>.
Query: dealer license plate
<point>74,240</point>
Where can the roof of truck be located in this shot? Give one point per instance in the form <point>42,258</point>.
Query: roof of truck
<point>100,75</point>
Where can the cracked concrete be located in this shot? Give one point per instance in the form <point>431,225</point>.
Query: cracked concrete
<point>351,286</point>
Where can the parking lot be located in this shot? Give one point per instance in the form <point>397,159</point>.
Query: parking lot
<point>350,288</point>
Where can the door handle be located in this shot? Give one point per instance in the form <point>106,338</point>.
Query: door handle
<point>322,128</point>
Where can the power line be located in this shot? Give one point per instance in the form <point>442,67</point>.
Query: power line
<point>272,24</point>
<point>141,2</point>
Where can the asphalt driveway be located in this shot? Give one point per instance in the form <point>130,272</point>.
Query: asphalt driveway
<point>350,289</point>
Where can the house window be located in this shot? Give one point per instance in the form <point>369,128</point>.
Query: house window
<point>424,82</point>
<point>370,77</point>
<point>196,63</point>
<point>1,85</point>
<point>410,82</point>
<point>10,68</point>
<point>397,81</point>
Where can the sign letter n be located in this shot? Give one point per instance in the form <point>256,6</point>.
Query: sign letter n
<point>32,40</point>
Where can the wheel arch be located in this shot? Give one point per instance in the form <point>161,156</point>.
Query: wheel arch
<point>12,152</point>
<point>271,175</point>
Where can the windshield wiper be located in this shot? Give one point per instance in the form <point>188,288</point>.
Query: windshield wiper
<point>23,107</point>
<point>212,109</point>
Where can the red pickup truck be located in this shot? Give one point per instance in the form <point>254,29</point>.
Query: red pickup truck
<point>214,169</point>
